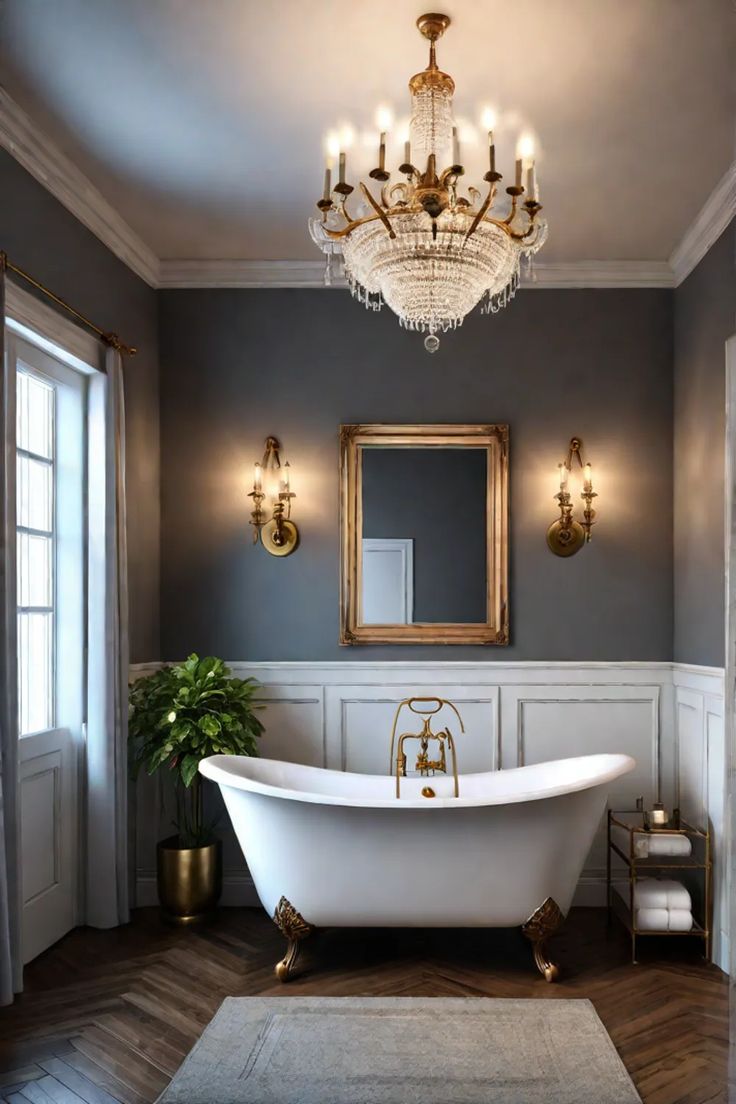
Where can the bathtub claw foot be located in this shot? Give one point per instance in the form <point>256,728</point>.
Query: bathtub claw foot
<point>538,928</point>
<point>294,928</point>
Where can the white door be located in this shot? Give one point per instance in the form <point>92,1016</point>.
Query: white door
<point>50,515</point>
<point>388,581</point>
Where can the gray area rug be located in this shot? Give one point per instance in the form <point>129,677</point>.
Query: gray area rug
<point>402,1050</point>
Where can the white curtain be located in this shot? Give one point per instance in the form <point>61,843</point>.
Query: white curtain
<point>107,898</point>
<point>11,971</point>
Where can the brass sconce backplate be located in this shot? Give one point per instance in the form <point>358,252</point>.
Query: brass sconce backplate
<point>565,540</point>
<point>279,540</point>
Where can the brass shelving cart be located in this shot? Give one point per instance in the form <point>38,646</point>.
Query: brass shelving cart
<point>697,866</point>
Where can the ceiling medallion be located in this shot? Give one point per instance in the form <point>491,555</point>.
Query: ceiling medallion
<point>428,251</point>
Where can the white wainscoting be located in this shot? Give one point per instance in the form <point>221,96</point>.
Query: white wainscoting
<point>701,776</point>
<point>669,717</point>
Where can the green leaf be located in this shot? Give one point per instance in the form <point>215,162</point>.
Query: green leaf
<point>209,724</point>
<point>181,729</point>
<point>188,769</point>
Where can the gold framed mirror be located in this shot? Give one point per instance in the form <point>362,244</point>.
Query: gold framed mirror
<point>424,534</point>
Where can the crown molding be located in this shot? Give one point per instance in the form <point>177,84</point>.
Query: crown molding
<point>715,215</point>
<point>310,274</point>
<point>46,162</point>
<point>600,274</point>
<point>245,274</point>
<point>43,159</point>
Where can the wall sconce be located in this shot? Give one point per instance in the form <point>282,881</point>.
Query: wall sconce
<point>566,536</point>
<point>279,535</point>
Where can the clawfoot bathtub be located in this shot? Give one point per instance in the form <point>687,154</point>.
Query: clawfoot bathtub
<point>331,849</point>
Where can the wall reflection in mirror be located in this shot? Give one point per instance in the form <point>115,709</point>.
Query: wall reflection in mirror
<point>424,536</point>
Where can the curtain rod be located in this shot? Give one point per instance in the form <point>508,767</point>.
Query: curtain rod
<point>110,339</point>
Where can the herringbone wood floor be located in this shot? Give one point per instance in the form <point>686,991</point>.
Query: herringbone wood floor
<point>109,1016</point>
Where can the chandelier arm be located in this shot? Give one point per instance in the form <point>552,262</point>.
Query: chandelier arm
<point>512,213</point>
<point>366,192</point>
<point>526,234</point>
<point>481,212</point>
<point>342,211</point>
<point>336,235</point>
<point>447,174</point>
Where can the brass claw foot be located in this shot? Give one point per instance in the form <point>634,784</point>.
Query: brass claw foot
<point>538,928</point>
<point>294,928</point>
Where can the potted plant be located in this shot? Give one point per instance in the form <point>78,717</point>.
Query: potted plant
<point>178,716</point>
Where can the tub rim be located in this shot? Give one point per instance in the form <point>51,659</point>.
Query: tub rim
<point>611,766</point>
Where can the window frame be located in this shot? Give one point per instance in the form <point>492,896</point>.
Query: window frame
<point>22,368</point>
<point>69,530</point>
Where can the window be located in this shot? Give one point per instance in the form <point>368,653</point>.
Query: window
<point>50,518</point>
<point>36,550</point>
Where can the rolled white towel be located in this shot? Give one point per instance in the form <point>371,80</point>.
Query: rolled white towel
<point>652,919</point>
<point>647,844</point>
<point>655,919</point>
<point>661,893</point>
<point>680,920</point>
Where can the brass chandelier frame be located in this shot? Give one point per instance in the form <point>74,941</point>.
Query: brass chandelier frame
<point>431,191</point>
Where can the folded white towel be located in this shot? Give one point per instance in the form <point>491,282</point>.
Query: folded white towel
<point>655,919</point>
<point>680,920</point>
<point>652,919</point>
<point>646,844</point>
<point>661,893</point>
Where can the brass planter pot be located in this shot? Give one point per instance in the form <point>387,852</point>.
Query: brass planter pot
<point>189,880</point>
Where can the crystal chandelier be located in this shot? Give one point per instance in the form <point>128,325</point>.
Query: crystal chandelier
<point>428,251</point>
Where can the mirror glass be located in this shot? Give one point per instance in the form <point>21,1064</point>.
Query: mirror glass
<point>423,542</point>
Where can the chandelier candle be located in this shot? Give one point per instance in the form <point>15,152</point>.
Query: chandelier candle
<point>421,246</point>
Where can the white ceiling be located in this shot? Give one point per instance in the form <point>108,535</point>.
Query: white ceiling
<point>202,121</point>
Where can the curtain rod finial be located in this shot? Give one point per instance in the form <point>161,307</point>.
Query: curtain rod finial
<point>114,342</point>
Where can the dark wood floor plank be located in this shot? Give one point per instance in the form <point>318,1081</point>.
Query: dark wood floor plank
<point>35,1094</point>
<point>122,1062</point>
<point>85,1089</point>
<point>58,1092</point>
<point>115,1012</point>
<point>19,1076</point>
<point>105,1080</point>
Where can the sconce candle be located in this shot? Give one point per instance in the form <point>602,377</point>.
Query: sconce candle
<point>587,478</point>
<point>278,534</point>
<point>566,536</point>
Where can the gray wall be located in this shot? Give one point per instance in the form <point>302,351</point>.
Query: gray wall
<point>705,317</point>
<point>237,365</point>
<point>41,236</point>
<point>437,498</point>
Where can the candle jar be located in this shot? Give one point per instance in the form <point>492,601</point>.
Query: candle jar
<point>657,817</point>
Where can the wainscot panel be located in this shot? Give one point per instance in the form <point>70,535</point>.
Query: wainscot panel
<point>669,717</point>
<point>700,777</point>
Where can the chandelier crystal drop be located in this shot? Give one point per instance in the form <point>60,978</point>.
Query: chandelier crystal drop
<point>424,248</point>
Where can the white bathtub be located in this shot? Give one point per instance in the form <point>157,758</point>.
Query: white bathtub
<point>331,849</point>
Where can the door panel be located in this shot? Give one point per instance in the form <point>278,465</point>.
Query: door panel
<point>48,787</point>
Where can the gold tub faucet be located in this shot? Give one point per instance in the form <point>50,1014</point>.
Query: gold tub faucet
<point>426,708</point>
